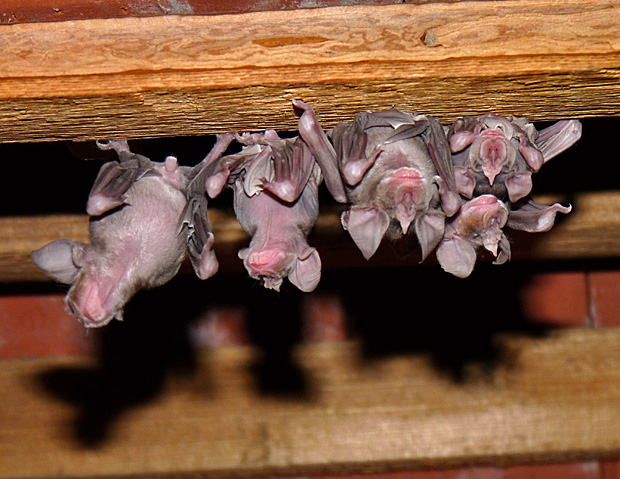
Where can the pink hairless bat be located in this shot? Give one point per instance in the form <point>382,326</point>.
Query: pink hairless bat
<point>137,240</point>
<point>275,183</point>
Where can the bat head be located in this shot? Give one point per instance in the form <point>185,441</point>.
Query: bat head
<point>492,152</point>
<point>95,301</point>
<point>401,194</point>
<point>481,221</point>
<point>272,264</point>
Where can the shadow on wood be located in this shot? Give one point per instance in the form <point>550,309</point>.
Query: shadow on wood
<point>395,312</point>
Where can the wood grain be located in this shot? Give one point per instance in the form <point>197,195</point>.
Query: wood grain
<point>553,399</point>
<point>181,74</point>
<point>592,230</point>
<point>18,11</point>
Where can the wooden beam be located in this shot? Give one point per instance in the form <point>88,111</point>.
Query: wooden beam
<point>18,11</point>
<point>553,399</point>
<point>179,75</point>
<point>592,230</point>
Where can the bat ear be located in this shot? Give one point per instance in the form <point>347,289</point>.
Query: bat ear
<point>465,181</point>
<point>519,185</point>
<point>558,137</point>
<point>429,228</point>
<point>367,227</point>
<point>533,217</point>
<point>457,257</point>
<point>307,272</point>
<point>57,260</point>
<point>461,140</point>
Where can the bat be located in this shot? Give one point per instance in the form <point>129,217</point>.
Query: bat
<point>477,225</point>
<point>497,155</point>
<point>395,171</point>
<point>275,186</point>
<point>137,238</point>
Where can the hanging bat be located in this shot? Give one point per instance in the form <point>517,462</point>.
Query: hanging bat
<point>497,155</point>
<point>275,183</point>
<point>136,239</point>
<point>478,225</point>
<point>394,169</point>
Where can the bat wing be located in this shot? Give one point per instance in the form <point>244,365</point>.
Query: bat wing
<point>115,178</point>
<point>200,238</point>
<point>439,151</point>
<point>533,217</point>
<point>292,163</point>
<point>111,185</point>
<point>311,132</point>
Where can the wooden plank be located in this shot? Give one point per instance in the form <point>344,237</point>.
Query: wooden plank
<point>592,230</point>
<point>18,11</point>
<point>178,75</point>
<point>553,399</point>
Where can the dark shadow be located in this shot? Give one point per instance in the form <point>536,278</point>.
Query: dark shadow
<point>427,311</point>
<point>274,325</point>
<point>137,356</point>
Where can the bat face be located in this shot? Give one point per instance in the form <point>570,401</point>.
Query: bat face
<point>490,149</point>
<point>496,155</point>
<point>477,225</point>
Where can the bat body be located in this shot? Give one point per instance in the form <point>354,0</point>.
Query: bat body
<point>135,206</point>
<point>478,225</point>
<point>497,155</point>
<point>394,169</point>
<point>275,184</point>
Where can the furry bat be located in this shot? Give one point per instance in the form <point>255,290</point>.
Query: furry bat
<point>275,183</point>
<point>496,155</point>
<point>477,225</point>
<point>395,170</point>
<point>136,240</point>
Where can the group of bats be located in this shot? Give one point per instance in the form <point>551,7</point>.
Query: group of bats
<point>404,177</point>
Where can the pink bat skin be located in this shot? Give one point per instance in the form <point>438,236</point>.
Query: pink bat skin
<point>477,225</point>
<point>497,155</point>
<point>394,169</point>
<point>275,184</point>
<point>136,240</point>
<point>527,215</point>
